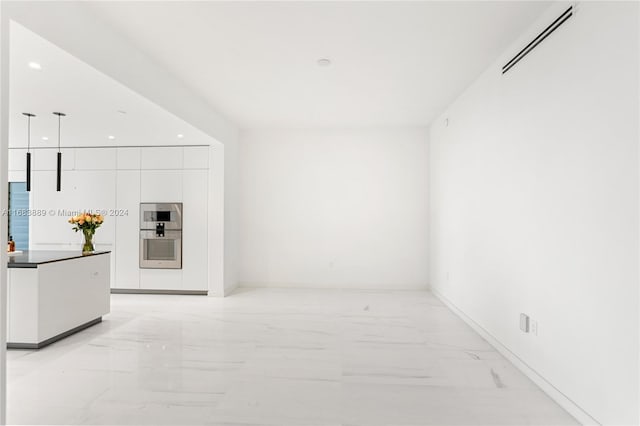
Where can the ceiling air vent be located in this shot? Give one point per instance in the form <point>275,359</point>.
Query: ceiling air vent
<point>536,41</point>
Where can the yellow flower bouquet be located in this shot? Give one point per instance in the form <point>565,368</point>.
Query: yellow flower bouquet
<point>87,223</point>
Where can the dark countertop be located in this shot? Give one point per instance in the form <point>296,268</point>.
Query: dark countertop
<point>33,258</point>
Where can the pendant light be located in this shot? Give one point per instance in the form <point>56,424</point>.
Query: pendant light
<point>59,173</point>
<point>28,115</point>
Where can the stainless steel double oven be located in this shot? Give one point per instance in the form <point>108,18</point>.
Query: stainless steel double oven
<point>161,235</point>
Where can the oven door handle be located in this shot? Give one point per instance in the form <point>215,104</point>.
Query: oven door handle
<point>147,234</point>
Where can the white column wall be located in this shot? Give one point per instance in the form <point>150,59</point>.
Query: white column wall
<point>231,213</point>
<point>4,197</point>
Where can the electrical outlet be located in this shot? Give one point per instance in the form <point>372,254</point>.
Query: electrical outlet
<point>524,322</point>
<point>534,327</point>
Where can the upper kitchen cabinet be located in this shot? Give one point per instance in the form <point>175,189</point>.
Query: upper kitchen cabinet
<point>128,158</point>
<point>17,159</point>
<point>196,157</point>
<point>161,186</point>
<point>17,165</point>
<point>89,159</point>
<point>161,158</point>
<point>41,159</point>
<point>47,159</point>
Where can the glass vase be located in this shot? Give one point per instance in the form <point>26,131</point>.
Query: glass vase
<point>88,241</point>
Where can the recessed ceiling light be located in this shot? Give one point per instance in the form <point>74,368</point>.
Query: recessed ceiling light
<point>180,136</point>
<point>35,66</point>
<point>324,62</point>
<point>44,138</point>
<point>111,137</point>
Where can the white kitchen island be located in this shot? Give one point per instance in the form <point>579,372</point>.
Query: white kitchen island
<point>52,294</point>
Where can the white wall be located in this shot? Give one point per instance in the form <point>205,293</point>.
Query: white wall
<point>333,208</point>
<point>216,226</point>
<point>4,144</point>
<point>534,207</point>
<point>231,212</point>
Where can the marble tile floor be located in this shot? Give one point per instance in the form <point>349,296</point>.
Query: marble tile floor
<point>275,357</point>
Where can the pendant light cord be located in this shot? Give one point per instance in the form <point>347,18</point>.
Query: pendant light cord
<point>28,115</point>
<point>60,115</point>
<point>59,123</point>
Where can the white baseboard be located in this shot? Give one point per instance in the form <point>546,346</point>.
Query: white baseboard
<point>565,402</point>
<point>316,286</point>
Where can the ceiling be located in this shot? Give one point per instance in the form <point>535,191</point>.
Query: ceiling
<point>392,63</point>
<point>96,105</point>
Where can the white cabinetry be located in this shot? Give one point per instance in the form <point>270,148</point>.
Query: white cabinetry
<point>164,158</point>
<point>17,159</point>
<point>196,157</point>
<point>195,259</point>
<point>116,181</point>
<point>191,188</point>
<point>163,186</point>
<point>88,159</point>
<point>161,279</point>
<point>47,159</point>
<point>81,190</point>
<point>44,300</point>
<point>128,158</point>
<point>17,165</point>
<point>127,229</point>
<point>161,177</point>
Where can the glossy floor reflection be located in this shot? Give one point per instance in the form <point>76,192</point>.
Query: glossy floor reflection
<point>275,357</point>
